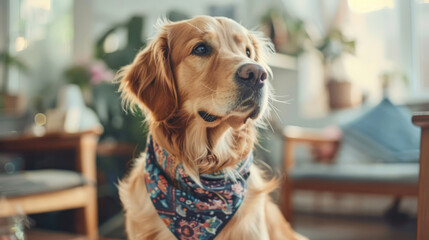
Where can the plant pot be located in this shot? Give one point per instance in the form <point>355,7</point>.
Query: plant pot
<point>12,104</point>
<point>343,95</point>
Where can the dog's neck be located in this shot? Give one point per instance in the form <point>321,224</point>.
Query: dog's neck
<point>203,149</point>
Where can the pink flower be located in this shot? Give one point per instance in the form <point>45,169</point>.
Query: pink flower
<point>100,73</point>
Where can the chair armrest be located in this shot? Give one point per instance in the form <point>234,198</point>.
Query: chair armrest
<point>421,119</point>
<point>294,136</point>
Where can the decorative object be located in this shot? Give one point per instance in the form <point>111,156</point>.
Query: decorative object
<point>71,114</point>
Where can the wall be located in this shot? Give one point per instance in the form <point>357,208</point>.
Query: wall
<point>93,18</point>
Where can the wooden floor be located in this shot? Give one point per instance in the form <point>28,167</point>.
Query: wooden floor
<point>322,227</point>
<point>329,227</point>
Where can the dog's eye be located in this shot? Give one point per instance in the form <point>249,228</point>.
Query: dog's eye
<point>201,49</point>
<point>248,52</point>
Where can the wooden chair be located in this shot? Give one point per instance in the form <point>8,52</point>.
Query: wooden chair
<point>422,120</point>
<point>296,136</point>
<point>81,196</point>
<point>367,184</point>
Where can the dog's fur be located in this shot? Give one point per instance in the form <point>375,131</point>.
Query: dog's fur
<point>171,84</point>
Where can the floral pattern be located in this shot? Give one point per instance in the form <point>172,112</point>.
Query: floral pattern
<point>189,210</point>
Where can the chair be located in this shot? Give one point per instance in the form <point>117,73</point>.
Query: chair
<point>407,180</point>
<point>38,191</point>
<point>395,180</point>
<point>422,120</point>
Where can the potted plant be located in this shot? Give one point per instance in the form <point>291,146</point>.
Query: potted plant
<point>288,33</point>
<point>10,103</point>
<point>331,48</point>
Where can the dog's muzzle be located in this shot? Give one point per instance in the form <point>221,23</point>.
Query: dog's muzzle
<point>251,75</point>
<point>250,78</point>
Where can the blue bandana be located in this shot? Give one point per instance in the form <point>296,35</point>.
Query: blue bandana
<point>191,211</point>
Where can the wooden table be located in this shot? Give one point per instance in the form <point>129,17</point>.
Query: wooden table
<point>422,120</point>
<point>83,198</point>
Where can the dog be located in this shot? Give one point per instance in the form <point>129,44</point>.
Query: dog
<point>203,85</point>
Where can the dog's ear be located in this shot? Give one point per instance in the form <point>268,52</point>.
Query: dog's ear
<point>149,80</point>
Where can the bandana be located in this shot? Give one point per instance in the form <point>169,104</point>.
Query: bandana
<point>189,210</point>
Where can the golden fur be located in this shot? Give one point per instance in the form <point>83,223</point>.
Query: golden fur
<point>171,85</point>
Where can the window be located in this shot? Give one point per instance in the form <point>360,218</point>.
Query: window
<point>40,34</point>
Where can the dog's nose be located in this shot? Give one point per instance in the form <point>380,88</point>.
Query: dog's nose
<point>251,74</point>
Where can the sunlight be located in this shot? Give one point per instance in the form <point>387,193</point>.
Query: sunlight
<point>363,6</point>
<point>20,44</point>
<point>42,4</point>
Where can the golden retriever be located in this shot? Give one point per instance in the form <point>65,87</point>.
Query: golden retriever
<point>203,86</point>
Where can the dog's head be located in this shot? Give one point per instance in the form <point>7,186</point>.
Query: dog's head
<point>210,68</point>
<point>199,81</point>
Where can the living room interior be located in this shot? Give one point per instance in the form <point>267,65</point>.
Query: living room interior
<point>345,135</point>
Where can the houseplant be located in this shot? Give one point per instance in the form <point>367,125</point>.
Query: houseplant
<point>332,47</point>
<point>288,33</point>
<point>8,102</point>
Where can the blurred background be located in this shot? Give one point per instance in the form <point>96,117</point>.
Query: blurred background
<point>347,75</point>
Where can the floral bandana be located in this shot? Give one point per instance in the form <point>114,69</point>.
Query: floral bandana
<point>191,211</point>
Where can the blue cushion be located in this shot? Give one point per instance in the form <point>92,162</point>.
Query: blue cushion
<point>385,133</point>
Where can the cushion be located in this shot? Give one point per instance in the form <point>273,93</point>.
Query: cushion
<point>385,133</point>
<point>38,181</point>
<point>376,172</point>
